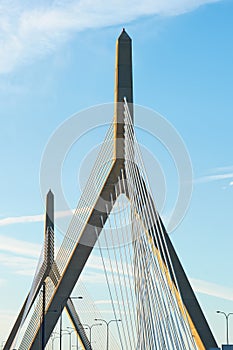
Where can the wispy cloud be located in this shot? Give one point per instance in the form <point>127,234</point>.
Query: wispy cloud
<point>94,273</point>
<point>7,318</point>
<point>2,282</point>
<point>29,31</point>
<point>33,218</point>
<point>222,169</point>
<point>20,257</point>
<point>19,247</point>
<point>19,265</point>
<point>212,289</point>
<point>217,177</point>
<point>217,174</point>
<point>21,219</point>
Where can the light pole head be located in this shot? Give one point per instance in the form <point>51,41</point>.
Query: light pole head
<point>79,297</point>
<point>223,313</point>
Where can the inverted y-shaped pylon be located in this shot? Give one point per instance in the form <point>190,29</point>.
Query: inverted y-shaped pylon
<point>119,175</point>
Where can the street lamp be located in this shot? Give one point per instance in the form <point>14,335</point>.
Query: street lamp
<point>61,316</point>
<point>73,330</point>
<point>54,338</point>
<point>227,317</point>
<point>107,324</point>
<point>69,333</point>
<point>90,328</point>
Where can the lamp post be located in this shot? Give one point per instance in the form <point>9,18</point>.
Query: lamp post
<point>73,330</point>
<point>227,323</point>
<point>69,334</point>
<point>61,316</point>
<point>107,324</point>
<point>53,341</point>
<point>90,328</point>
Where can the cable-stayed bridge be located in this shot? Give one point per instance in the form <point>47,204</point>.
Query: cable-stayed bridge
<point>148,289</point>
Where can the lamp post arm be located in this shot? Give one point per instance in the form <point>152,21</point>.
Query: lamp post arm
<point>227,323</point>
<point>107,324</point>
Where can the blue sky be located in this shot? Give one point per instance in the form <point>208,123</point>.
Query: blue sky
<point>56,59</point>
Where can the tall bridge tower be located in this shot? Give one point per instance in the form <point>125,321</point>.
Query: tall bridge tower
<point>160,310</point>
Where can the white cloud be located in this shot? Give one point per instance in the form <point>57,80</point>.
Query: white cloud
<point>218,174</point>
<point>217,177</point>
<point>7,319</point>
<point>2,282</point>
<point>21,219</point>
<point>33,218</point>
<point>212,289</point>
<point>28,32</point>
<point>223,169</point>
<point>19,265</point>
<point>20,247</point>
